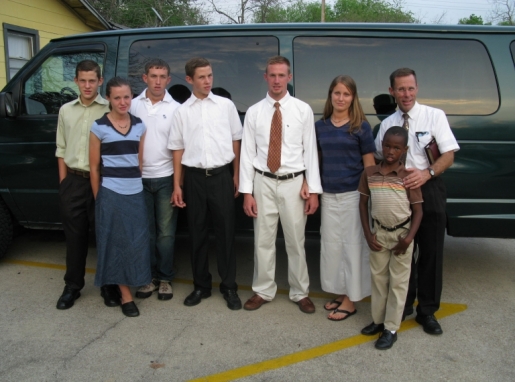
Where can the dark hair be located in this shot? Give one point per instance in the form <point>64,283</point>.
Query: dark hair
<point>278,60</point>
<point>402,72</point>
<point>116,82</point>
<point>193,64</point>
<point>158,64</point>
<point>399,131</point>
<point>356,114</point>
<point>88,66</point>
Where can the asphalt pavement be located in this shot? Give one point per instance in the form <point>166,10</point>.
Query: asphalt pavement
<point>172,342</point>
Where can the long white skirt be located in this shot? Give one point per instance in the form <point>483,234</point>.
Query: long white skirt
<point>344,258</point>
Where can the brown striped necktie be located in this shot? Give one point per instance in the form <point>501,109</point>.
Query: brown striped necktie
<point>406,122</point>
<point>274,147</point>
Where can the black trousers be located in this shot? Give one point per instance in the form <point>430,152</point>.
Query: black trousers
<point>77,207</point>
<point>426,275</point>
<point>211,196</point>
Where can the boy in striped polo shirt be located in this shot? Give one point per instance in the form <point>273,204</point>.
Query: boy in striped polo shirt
<point>396,212</point>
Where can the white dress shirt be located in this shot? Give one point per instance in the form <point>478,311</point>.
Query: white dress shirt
<point>425,123</point>
<point>298,150</point>
<point>157,158</point>
<point>205,129</point>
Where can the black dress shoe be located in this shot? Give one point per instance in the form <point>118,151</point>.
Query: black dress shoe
<point>431,326</point>
<point>68,298</point>
<point>130,309</point>
<point>372,329</point>
<point>195,297</point>
<point>386,340</point>
<point>111,295</point>
<point>233,301</point>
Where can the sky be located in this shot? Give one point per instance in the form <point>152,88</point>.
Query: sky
<point>427,11</point>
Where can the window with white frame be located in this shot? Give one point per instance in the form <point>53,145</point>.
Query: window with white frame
<point>21,44</point>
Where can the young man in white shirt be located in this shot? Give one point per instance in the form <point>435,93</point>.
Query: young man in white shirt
<point>273,194</point>
<point>423,124</point>
<point>205,141</point>
<point>155,106</point>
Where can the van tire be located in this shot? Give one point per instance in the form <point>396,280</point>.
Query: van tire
<point>6,228</point>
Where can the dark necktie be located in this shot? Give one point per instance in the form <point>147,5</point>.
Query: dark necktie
<point>406,122</point>
<point>274,148</point>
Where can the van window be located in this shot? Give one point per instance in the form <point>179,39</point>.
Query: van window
<point>238,65</point>
<point>453,75</point>
<point>51,85</point>
<point>512,47</point>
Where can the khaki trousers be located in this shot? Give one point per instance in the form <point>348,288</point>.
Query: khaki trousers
<point>390,278</point>
<point>279,199</point>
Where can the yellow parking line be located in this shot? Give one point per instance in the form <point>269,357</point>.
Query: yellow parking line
<point>305,355</point>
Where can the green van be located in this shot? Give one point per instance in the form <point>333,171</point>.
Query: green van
<point>468,71</point>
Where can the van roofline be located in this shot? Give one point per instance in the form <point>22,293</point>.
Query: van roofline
<point>391,27</point>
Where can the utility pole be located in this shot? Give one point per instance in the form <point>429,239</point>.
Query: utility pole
<point>323,11</point>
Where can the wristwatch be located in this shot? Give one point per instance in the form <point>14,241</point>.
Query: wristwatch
<point>431,172</point>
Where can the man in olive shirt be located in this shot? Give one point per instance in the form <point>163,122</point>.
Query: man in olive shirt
<point>76,200</point>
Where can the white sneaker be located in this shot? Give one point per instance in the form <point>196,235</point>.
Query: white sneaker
<point>146,290</point>
<point>165,291</point>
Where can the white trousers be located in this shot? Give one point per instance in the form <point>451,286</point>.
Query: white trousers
<point>344,253</point>
<point>279,199</point>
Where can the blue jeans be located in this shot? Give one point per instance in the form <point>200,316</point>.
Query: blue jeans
<point>162,218</point>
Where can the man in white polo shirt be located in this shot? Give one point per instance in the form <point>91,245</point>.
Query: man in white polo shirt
<point>155,106</point>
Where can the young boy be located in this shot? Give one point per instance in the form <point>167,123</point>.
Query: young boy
<point>205,141</point>
<point>395,226</point>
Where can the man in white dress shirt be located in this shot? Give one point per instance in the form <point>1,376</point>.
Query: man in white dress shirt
<point>155,107</point>
<point>270,195</point>
<point>423,124</point>
<point>205,140</point>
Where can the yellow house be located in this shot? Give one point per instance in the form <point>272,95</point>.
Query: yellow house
<point>28,25</point>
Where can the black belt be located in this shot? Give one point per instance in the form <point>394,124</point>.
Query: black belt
<point>391,229</point>
<point>279,177</point>
<point>209,171</point>
<point>84,174</point>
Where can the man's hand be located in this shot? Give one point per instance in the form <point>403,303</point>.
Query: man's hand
<point>416,178</point>
<point>401,247</point>
<point>177,198</point>
<point>304,191</point>
<point>236,180</point>
<point>311,204</point>
<point>372,243</point>
<point>249,206</point>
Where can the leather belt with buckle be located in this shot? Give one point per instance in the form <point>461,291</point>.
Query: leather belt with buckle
<point>209,171</point>
<point>279,177</point>
<point>391,229</point>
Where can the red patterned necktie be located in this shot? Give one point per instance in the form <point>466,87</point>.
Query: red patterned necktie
<point>274,148</point>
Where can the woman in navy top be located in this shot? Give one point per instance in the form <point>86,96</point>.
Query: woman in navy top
<point>115,153</point>
<point>345,146</point>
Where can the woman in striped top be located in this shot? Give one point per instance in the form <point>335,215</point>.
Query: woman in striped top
<point>116,149</point>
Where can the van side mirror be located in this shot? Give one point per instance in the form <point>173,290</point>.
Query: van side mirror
<point>7,108</point>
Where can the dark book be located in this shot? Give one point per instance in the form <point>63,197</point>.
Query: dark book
<point>432,151</point>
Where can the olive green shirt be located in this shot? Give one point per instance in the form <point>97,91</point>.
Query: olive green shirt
<point>73,127</point>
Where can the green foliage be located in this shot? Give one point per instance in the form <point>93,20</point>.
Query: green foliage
<point>472,20</point>
<point>343,10</point>
<point>139,13</point>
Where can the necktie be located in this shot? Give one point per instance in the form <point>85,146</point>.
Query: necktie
<point>406,122</point>
<point>274,148</point>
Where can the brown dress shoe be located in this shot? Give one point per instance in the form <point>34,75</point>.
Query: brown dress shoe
<point>306,305</point>
<point>254,303</point>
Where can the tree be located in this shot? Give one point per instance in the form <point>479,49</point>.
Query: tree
<point>503,12</point>
<point>342,10</point>
<point>150,13</point>
<point>472,20</point>
<point>246,10</point>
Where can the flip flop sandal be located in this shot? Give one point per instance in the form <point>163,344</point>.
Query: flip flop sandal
<point>335,301</point>
<point>348,314</point>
